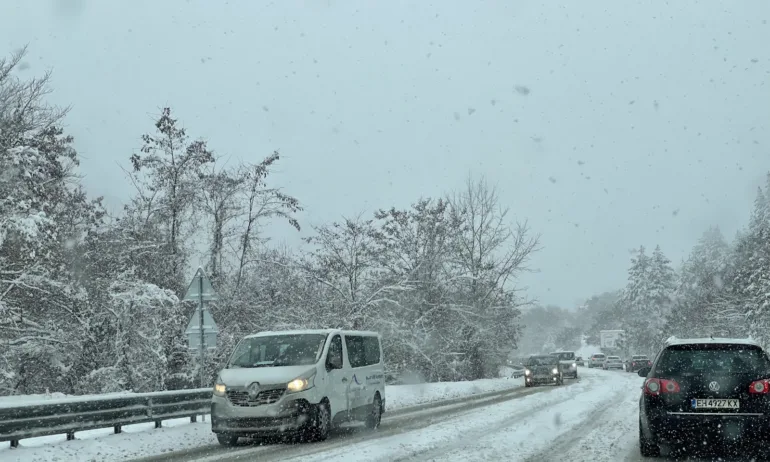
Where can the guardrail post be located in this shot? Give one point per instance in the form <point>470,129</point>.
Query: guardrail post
<point>14,443</point>
<point>193,418</point>
<point>70,436</point>
<point>158,424</point>
<point>118,429</point>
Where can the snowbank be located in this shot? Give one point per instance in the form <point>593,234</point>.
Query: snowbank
<point>144,440</point>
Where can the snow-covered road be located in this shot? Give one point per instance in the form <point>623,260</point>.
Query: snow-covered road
<point>545,426</point>
<point>592,419</point>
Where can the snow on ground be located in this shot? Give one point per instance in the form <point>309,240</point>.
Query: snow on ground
<point>143,440</point>
<point>53,398</point>
<point>514,430</point>
<point>614,437</point>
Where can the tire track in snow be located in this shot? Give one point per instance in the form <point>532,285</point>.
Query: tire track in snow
<point>602,436</point>
<point>404,421</point>
<point>521,434</point>
<point>516,418</point>
<point>434,436</point>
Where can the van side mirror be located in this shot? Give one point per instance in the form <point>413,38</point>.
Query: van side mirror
<point>644,371</point>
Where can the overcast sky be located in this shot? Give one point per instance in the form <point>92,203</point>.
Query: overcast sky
<point>606,124</point>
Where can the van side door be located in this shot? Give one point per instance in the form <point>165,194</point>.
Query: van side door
<point>354,345</point>
<point>337,377</point>
<point>375,368</point>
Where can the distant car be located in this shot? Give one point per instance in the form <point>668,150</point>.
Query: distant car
<point>596,360</point>
<point>542,369</point>
<point>518,371</point>
<point>567,363</point>
<point>705,392</point>
<point>637,362</point>
<point>613,362</point>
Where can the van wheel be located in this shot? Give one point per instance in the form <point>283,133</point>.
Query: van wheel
<point>319,430</point>
<point>227,440</point>
<point>374,417</point>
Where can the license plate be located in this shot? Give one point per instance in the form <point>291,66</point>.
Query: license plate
<point>715,404</point>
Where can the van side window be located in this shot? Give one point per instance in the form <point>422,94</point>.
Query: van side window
<point>372,350</point>
<point>334,358</point>
<point>356,353</point>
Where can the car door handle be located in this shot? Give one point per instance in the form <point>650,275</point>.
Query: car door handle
<point>344,379</point>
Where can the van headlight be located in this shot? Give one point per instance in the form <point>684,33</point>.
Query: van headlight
<point>219,388</point>
<point>555,370</point>
<point>527,372</point>
<point>301,384</point>
<point>574,365</point>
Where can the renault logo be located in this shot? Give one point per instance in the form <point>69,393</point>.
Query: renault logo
<point>253,390</point>
<point>714,386</point>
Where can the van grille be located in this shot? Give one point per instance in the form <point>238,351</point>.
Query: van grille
<point>241,398</point>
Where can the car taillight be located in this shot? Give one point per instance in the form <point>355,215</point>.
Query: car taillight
<point>656,387</point>
<point>760,387</point>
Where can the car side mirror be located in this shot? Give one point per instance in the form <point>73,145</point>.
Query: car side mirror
<point>644,371</point>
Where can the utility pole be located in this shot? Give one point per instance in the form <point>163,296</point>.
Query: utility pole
<point>201,291</point>
<point>203,337</point>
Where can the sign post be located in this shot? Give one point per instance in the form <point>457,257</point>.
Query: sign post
<point>201,291</point>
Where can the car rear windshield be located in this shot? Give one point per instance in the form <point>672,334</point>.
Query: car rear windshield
<point>599,356</point>
<point>639,357</point>
<point>720,358</point>
<point>542,361</point>
<point>564,355</point>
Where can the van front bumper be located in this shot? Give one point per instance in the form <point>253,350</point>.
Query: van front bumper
<point>286,416</point>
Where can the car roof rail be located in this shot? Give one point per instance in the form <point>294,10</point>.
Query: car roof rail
<point>671,339</point>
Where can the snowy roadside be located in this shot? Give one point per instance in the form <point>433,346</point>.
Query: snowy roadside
<point>144,440</point>
<point>613,437</point>
<point>514,430</point>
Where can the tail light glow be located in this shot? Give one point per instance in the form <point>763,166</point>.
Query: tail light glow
<point>760,387</point>
<point>655,387</point>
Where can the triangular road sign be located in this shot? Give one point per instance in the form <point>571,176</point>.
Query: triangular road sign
<point>194,289</point>
<point>209,326</point>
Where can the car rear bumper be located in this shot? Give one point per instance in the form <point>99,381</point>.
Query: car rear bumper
<point>683,427</point>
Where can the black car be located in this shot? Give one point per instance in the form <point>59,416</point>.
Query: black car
<point>638,362</point>
<point>542,369</point>
<point>705,392</point>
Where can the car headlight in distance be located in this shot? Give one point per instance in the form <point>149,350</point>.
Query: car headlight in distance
<point>555,370</point>
<point>527,372</point>
<point>300,384</point>
<point>574,364</point>
<point>220,388</point>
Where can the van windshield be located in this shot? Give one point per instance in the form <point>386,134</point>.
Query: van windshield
<point>278,350</point>
<point>542,360</point>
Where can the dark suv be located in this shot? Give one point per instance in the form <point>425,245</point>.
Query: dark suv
<point>541,369</point>
<point>704,391</point>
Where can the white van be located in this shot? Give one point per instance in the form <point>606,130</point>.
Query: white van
<point>301,382</point>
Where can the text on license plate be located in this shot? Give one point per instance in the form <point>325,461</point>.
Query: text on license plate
<point>715,403</point>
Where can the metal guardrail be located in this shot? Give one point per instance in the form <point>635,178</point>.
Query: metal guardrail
<point>70,415</point>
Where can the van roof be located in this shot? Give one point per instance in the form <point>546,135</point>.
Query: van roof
<point>314,331</point>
